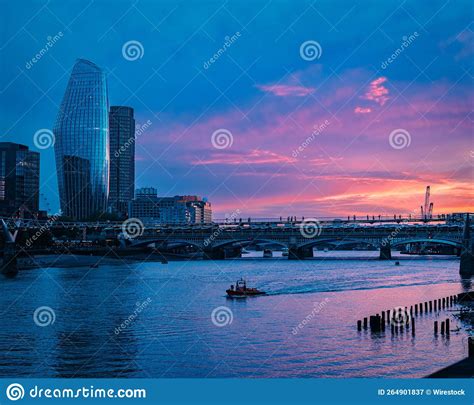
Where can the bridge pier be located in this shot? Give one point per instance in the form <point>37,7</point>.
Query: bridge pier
<point>466,264</point>
<point>385,252</point>
<point>295,253</point>
<point>222,253</point>
<point>9,264</point>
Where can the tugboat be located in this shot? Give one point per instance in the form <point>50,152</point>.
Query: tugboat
<point>241,290</point>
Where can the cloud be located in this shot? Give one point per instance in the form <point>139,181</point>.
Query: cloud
<point>377,92</point>
<point>254,157</point>
<point>362,110</point>
<point>285,90</point>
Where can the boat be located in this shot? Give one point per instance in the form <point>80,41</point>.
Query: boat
<point>267,253</point>
<point>241,290</point>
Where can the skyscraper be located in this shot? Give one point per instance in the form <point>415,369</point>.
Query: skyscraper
<point>122,159</point>
<point>19,180</point>
<point>82,144</point>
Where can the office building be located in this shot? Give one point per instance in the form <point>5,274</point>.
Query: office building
<point>19,180</point>
<point>122,159</point>
<point>148,207</point>
<point>82,143</point>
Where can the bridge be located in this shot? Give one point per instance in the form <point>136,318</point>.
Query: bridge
<point>217,240</point>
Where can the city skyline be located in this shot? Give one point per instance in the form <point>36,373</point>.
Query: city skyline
<point>309,137</point>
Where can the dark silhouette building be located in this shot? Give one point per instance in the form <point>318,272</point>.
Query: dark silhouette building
<point>122,159</point>
<point>19,180</point>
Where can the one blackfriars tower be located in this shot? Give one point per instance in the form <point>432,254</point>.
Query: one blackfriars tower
<point>82,143</point>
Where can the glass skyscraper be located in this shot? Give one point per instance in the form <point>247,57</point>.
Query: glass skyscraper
<point>122,159</point>
<point>82,148</point>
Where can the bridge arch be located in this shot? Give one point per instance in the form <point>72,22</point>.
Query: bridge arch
<point>418,240</point>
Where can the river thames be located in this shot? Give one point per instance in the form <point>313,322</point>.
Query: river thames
<point>174,320</point>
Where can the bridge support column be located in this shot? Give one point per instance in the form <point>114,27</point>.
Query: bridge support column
<point>9,265</point>
<point>295,253</point>
<point>385,252</point>
<point>466,264</point>
<point>223,253</point>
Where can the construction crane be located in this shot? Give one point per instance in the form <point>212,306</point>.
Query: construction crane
<point>427,208</point>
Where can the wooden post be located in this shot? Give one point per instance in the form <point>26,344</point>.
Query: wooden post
<point>435,302</point>
<point>392,328</point>
<point>435,327</point>
<point>426,306</point>
<point>431,306</point>
<point>365,323</point>
<point>388,316</point>
<point>442,327</point>
<point>447,326</point>
<point>413,326</point>
<point>359,325</point>
<point>383,316</point>
<point>416,309</point>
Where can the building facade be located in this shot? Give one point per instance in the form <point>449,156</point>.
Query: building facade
<point>19,180</point>
<point>122,159</point>
<point>148,207</point>
<point>82,143</point>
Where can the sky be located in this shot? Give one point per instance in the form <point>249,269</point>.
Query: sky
<point>266,108</point>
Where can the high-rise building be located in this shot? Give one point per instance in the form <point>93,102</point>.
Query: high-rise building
<point>19,180</point>
<point>82,143</point>
<point>122,159</point>
<point>147,206</point>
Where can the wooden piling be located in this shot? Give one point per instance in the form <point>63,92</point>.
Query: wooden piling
<point>359,325</point>
<point>431,306</point>
<point>447,326</point>
<point>413,326</point>
<point>365,323</point>
<point>426,306</point>
<point>435,302</point>
<point>442,327</point>
<point>416,309</point>
<point>435,327</point>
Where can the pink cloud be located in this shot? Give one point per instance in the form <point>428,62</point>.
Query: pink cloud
<point>377,92</point>
<point>285,90</point>
<point>362,110</point>
<point>348,166</point>
<point>254,157</point>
